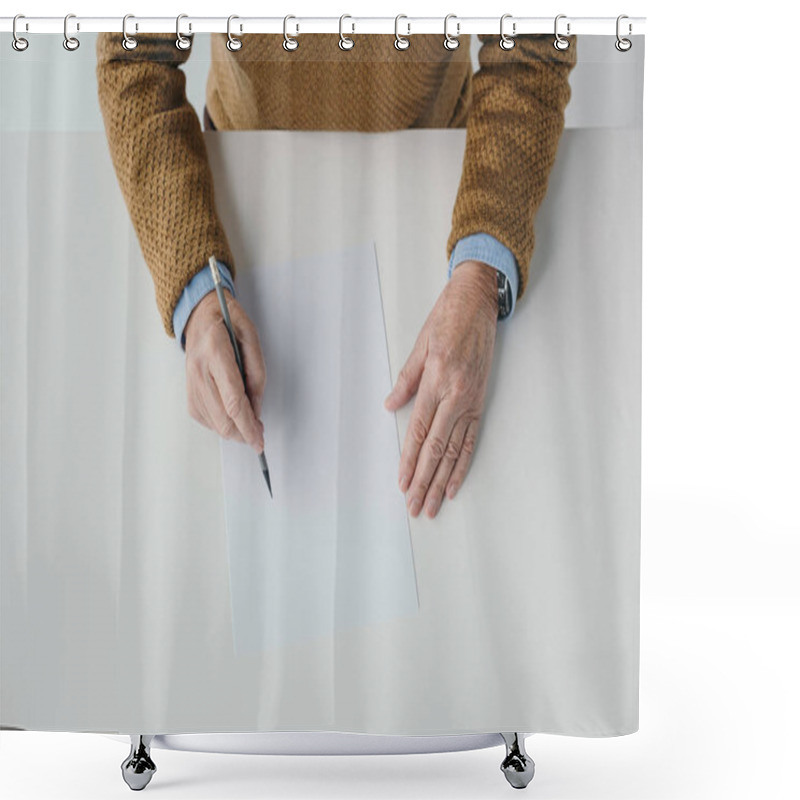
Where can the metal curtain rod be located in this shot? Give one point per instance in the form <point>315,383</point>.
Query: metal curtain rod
<point>299,25</point>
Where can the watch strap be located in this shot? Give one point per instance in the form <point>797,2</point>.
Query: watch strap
<point>503,295</point>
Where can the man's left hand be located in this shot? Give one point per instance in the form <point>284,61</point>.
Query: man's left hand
<point>450,366</point>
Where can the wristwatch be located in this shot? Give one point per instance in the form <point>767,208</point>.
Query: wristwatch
<point>503,295</point>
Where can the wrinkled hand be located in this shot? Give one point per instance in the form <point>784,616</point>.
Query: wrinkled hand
<point>214,390</point>
<point>449,369</point>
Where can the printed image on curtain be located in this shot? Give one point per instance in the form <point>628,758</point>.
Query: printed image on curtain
<point>321,385</point>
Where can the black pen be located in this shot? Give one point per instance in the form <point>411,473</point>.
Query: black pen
<point>224,306</point>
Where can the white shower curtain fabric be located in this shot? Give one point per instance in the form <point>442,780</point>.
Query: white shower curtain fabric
<point>149,582</point>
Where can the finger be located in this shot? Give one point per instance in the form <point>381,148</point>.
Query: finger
<point>433,499</point>
<point>464,459</point>
<point>431,453</point>
<point>416,433</point>
<point>198,408</point>
<point>234,400</point>
<point>409,377</point>
<point>194,399</point>
<point>255,369</point>
<point>256,378</point>
<point>215,410</point>
<point>194,404</point>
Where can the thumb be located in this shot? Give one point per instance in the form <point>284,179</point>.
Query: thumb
<point>257,400</point>
<point>255,369</point>
<point>408,379</point>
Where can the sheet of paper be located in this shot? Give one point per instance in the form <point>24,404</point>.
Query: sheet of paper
<point>332,549</point>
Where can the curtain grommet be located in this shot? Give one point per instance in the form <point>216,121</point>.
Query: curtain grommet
<point>345,42</point>
<point>401,42</point>
<point>560,43</point>
<point>71,43</point>
<point>233,44</point>
<point>18,42</point>
<point>451,42</point>
<point>182,42</point>
<point>128,42</point>
<point>622,44</point>
<point>290,43</point>
<point>507,42</point>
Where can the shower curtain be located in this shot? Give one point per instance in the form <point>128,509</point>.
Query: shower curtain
<point>463,224</point>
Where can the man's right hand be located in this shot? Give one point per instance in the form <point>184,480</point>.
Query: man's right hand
<point>214,390</point>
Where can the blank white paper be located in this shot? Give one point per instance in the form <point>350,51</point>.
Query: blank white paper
<point>332,549</point>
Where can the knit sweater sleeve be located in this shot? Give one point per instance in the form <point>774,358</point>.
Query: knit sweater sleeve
<point>514,125</point>
<point>160,159</point>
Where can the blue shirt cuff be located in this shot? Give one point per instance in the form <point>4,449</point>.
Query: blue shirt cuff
<point>194,291</point>
<point>484,247</point>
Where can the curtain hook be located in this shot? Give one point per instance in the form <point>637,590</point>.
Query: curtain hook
<point>345,42</point>
<point>506,42</point>
<point>182,42</point>
<point>560,42</point>
<point>400,42</point>
<point>289,42</point>
<point>623,45</point>
<point>18,43</point>
<point>451,42</point>
<point>128,42</point>
<point>70,42</point>
<point>233,43</point>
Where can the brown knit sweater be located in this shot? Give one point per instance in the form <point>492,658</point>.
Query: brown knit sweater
<point>512,108</point>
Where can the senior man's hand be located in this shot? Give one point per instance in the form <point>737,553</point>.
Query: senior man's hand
<point>449,370</point>
<point>214,390</point>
